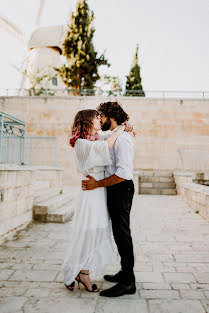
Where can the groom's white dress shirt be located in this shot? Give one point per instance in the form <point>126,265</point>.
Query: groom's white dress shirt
<point>122,155</point>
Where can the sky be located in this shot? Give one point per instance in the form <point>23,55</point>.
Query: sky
<point>173,38</point>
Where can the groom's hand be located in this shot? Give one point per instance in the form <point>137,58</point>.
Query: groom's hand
<point>129,128</point>
<point>89,184</point>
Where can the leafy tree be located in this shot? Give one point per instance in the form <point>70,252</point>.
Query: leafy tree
<point>38,82</point>
<point>110,85</point>
<point>83,61</point>
<point>133,82</point>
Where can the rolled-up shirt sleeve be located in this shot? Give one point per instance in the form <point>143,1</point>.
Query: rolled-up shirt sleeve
<point>124,154</point>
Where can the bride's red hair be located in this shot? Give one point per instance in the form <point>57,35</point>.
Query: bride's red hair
<point>82,126</point>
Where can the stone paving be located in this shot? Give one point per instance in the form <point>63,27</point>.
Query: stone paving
<point>171,265</point>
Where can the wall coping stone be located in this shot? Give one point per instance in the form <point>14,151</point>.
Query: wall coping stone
<point>113,98</point>
<point>138,172</point>
<point>144,171</point>
<point>45,167</point>
<point>186,173</point>
<point>16,167</point>
<point>197,188</point>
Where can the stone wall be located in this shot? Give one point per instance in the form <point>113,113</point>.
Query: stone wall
<point>162,125</point>
<point>196,195</point>
<point>181,178</point>
<point>16,197</point>
<point>18,184</point>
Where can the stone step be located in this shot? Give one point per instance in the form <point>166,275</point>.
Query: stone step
<point>43,207</point>
<point>156,182</point>
<point>61,215</point>
<point>52,207</point>
<point>156,179</point>
<point>40,186</point>
<point>50,193</point>
<point>157,191</point>
<point>158,185</point>
<point>157,173</point>
<point>46,194</point>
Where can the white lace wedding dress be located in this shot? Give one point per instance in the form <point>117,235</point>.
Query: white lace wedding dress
<point>90,246</point>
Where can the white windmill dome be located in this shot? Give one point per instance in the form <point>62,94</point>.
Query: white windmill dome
<point>50,36</point>
<point>45,50</point>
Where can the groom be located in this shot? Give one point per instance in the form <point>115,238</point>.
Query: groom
<point>120,191</point>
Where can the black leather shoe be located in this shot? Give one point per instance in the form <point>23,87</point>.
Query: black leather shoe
<point>114,278</point>
<point>119,290</point>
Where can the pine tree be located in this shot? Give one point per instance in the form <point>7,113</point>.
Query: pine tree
<point>133,81</point>
<point>83,61</point>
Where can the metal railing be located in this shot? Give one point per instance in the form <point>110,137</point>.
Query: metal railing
<point>48,92</point>
<point>16,148</point>
<point>41,151</point>
<point>12,139</point>
<point>193,159</point>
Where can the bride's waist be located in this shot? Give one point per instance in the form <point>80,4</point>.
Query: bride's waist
<point>97,175</point>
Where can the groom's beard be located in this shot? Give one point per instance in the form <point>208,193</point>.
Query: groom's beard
<point>106,125</point>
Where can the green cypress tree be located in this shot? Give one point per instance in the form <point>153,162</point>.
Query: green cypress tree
<point>133,81</point>
<point>83,61</point>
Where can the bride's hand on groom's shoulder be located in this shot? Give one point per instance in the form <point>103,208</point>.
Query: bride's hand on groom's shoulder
<point>129,128</point>
<point>89,184</point>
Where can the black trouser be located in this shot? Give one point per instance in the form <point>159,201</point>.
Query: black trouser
<point>119,201</point>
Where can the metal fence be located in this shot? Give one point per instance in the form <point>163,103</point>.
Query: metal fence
<point>16,148</point>
<point>12,139</point>
<point>193,159</point>
<point>41,151</point>
<point>46,92</point>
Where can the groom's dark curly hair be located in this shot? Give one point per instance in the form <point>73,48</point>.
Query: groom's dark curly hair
<point>114,110</point>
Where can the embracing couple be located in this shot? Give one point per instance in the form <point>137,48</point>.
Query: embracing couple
<point>104,201</point>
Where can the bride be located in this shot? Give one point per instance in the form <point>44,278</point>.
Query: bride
<point>90,248</point>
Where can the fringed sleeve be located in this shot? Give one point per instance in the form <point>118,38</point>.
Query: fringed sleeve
<point>90,154</point>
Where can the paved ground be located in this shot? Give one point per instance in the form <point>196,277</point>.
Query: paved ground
<point>172,265</point>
